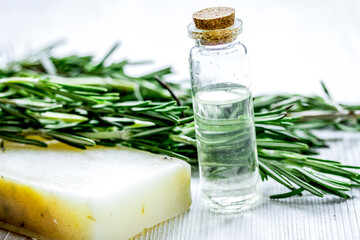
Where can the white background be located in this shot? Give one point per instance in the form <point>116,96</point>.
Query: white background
<point>292,44</point>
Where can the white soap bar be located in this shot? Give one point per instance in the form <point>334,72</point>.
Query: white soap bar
<point>100,193</point>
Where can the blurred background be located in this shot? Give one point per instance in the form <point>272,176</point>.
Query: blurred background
<point>292,44</point>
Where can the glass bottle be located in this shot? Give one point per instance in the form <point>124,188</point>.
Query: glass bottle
<point>224,119</point>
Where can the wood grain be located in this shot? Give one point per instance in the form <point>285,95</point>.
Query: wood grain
<point>6,235</point>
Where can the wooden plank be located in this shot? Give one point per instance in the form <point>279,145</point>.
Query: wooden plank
<point>6,235</point>
<point>304,217</point>
<point>3,234</point>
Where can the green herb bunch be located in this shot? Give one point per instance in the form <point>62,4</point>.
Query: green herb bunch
<point>82,104</point>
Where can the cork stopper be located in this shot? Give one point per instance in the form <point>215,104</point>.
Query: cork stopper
<point>214,18</point>
<point>215,26</point>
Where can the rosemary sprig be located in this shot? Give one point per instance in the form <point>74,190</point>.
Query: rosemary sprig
<point>89,104</point>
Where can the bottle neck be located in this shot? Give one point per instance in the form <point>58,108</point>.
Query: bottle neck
<point>204,45</point>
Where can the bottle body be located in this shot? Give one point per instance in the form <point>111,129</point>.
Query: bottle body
<point>224,123</point>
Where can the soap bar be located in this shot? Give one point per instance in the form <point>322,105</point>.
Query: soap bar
<point>101,193</point>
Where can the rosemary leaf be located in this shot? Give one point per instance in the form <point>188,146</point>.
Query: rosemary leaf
<point>288,194</point>
<point>19,139</point>
<point>78,140</point>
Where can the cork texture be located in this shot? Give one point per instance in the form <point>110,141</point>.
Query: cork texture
<point>214,18</point>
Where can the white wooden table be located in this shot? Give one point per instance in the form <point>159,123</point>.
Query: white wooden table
<point>305,217</point>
